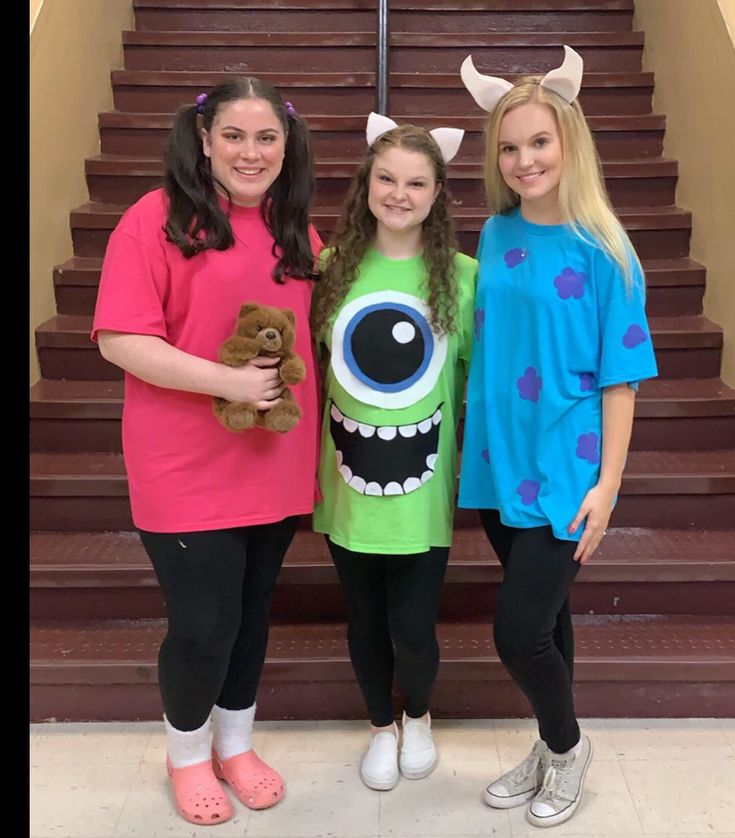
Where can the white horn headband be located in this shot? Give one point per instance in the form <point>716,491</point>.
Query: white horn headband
<point>487,91</point>
<point>448,139</point>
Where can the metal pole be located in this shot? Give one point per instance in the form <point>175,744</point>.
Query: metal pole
<point>383,59</point>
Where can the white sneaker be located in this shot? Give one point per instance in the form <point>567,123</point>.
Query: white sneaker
<point>379,767</point>
<point>561,790</point>
<point>418,751</point>
<point>519,784</point>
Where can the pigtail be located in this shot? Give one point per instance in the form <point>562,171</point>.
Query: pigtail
<point>195,220</point>
<point>287,212</point>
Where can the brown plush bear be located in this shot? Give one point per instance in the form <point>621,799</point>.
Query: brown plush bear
<point>268,332</point>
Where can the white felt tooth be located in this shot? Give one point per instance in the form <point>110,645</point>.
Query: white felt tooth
<point>375,489</point>
<point>346,473</point>
<point>387,432</point>
<point>366,430</point>
<point>431,461</point>
<point>437,417</point>
<point>427,475</point>
<point>411,484</point>
<point>393,488</point>
<point>339,458</point>
<point>358,484</point>
<point>407,430</point>
<point>336,415</point>
<point>425,426</point>
<point>350,424</point>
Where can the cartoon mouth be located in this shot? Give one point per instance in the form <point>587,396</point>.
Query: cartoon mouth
<point>385,459</point>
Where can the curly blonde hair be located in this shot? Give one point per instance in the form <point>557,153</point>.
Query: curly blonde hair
<point>356,229</point>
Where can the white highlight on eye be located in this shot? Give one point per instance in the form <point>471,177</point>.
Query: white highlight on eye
<point>404,332</point>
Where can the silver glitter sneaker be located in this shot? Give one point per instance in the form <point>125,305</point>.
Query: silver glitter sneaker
<point>519,784</point>
<point>561,790</point>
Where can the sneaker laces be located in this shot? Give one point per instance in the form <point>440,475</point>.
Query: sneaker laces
<point>525,769</point>
<point>554,784</point>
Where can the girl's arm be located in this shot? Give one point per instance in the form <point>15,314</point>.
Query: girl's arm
<point>618,405</point>
<point>155,361</point>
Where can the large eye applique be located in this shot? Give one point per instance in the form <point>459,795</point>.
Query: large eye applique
<point>384,352</point>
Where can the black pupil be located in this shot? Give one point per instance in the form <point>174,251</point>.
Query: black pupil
<point>377,352</point>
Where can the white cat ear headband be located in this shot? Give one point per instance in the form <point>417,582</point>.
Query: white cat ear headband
<point>448,139</point>
<point>487,91</point>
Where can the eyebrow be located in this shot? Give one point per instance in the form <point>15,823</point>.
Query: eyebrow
<point>381,170</point>
<point>240,131</point>
<point>534,137</point>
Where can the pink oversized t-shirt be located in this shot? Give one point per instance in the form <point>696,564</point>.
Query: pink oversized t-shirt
<point>186,472</point>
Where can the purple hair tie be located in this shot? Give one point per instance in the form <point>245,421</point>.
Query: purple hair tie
<point>200,100</point>
<point>290,109</point>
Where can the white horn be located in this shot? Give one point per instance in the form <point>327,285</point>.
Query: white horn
<point>567,79</point>
<point>487,91</point>
<point>377,125</point>
<point>448,140</point>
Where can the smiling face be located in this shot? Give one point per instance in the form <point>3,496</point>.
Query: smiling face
<point>530,157</point>
<point>402,189</point>
<point>246,146</point>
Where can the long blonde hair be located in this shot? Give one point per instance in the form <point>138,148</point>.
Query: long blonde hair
<point>583,201</point>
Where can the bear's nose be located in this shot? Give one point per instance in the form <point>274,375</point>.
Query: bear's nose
<point>270,334</point>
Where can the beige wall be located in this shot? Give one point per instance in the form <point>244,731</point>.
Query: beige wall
<point>689,46</point>
<point>74,45</point>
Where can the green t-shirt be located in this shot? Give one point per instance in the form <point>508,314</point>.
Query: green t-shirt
<point>393,394</point>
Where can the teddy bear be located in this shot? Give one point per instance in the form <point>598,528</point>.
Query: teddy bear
<point>268,332</point>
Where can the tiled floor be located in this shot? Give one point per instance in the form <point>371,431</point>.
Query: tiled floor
<point>653,777</point>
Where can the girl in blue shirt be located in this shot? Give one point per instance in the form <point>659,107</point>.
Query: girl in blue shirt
<point>561,342</point>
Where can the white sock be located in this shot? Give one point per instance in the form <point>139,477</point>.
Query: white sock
<point>188,747</point>
<point>233,730</point>
<point>572,751</point>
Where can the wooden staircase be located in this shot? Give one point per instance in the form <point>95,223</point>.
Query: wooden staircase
<point>654,609</point>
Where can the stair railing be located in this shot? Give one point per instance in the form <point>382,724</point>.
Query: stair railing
<point>382,59</point>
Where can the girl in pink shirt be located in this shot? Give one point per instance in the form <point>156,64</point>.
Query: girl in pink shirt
<point>216,511</point>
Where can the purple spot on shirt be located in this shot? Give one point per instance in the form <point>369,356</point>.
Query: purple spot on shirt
<point>569,283</point>
<point>479,322</point>
<point>587,448</point>
<point>528,490</point>
<point>634,336</point>
<point>514,257</point>
<point>485,454</point>
<point>529,385</point>
<point>587,381</point>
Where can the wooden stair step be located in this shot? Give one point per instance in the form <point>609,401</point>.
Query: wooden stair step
<point>333,93</point>
<point>97,560</point>
<point>119,178</point>
<point>658,397</point>
<point>410,52</point>
<point>70,415</point>
<point>616,137</point>
<point>656,232</point>
<point>108,576</point>
<point>73,330</point>
<point>297,15</point>
<point>623,666</point>
<point>661,472</point>
<point>88,491</point>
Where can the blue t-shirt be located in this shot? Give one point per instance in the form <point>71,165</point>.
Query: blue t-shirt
<point>553,325</point>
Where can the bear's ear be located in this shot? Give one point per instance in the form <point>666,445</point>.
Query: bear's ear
<point>290,316</point>
<point>248,308</point>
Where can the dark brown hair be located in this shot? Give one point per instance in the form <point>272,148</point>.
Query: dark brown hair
<point>356,230</point>
<point>196,221</point>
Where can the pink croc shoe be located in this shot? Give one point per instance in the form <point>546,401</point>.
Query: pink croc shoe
<point>256,784</point>
<point>199,797</point>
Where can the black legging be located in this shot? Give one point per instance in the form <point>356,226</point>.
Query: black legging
<point>217,586</point>
<point>392,604</point>
<point>533,623</point>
